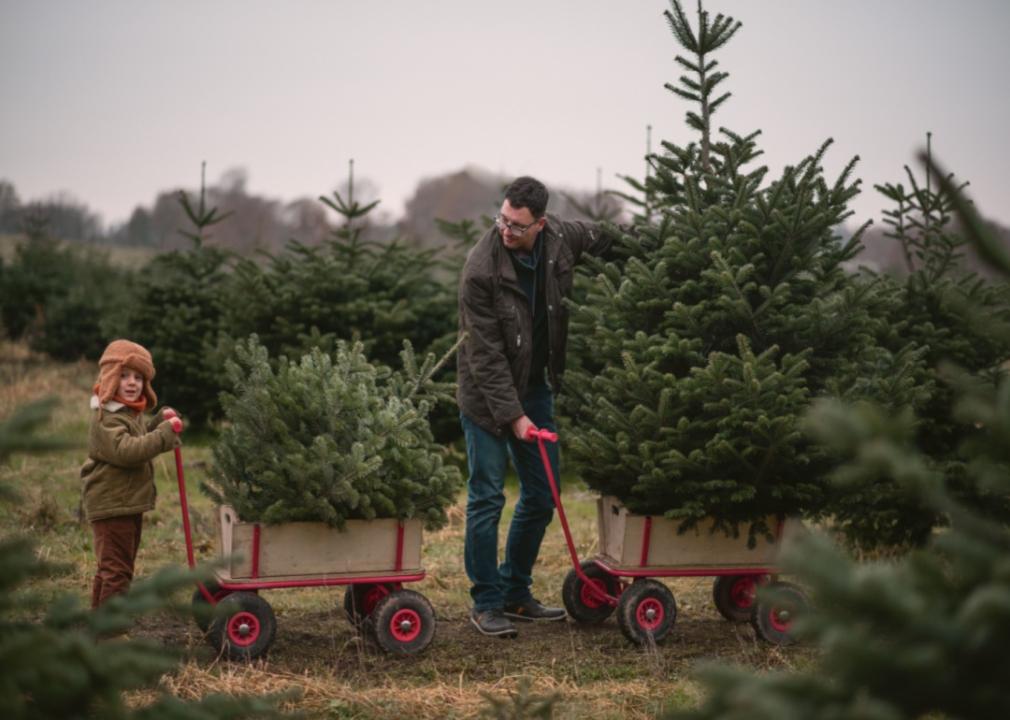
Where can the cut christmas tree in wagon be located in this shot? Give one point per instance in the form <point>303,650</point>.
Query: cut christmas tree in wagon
<point>325,475</point>
<point>697,350</point>
<point>642,548</point>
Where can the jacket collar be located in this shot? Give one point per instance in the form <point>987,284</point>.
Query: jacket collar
<point>111,405</point>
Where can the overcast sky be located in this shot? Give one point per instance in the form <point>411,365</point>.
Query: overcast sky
<point>114,101</point>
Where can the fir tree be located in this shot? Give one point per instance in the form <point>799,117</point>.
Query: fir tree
<point>39,270</point>
<point>349,288</point>
<point>176,313</point>
<point>330,438</point>
<point>921,637</point>
<point>64,299</point>
<point>728,308</point>
<point>926,311</point>
<point>464,235</point>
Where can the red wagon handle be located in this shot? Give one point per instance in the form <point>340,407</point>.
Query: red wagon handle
<point>171,415</point>
<point>176,421</point>
<point>533,433</point>
<point>542,436</point>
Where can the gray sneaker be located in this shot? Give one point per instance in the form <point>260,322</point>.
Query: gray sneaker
<point>493,623</point>
<point>530,610</point>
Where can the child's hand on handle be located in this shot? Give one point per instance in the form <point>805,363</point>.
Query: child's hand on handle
<point>173,419</point>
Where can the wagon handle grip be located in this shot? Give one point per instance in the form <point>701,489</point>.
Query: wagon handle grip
<point>534,434</point>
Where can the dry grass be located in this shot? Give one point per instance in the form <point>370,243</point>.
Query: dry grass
<point>26,376</point>
<point>321,693</point>
<point>338,673</point>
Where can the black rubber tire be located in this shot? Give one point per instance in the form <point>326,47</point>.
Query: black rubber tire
<point>736,595</point>
<point>203,612</point>
<point>244,628</point>
<point>403,623</point>
<point>646,612</point>
<point>361,599</point>
<point>582,607</point>
<point>773,616</point>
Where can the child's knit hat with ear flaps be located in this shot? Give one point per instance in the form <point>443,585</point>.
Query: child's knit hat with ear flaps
<point>120,354</point>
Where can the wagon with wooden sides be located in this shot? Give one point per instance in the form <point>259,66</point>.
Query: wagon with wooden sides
<point>372,559</point>
<point>634,550</point>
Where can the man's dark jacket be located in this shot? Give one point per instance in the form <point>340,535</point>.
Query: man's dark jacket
<point>494,362</point>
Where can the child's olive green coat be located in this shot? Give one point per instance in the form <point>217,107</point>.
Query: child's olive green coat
<point>118,476</point>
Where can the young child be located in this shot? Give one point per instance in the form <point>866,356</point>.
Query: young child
<point>118,476</point>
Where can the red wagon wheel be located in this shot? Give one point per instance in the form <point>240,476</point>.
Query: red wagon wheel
<point>646,612</point>
<point>774,617</point>
<point>244,628</point>
<point>736,595</point>
<point>403,622</point>
<point>584,605</point>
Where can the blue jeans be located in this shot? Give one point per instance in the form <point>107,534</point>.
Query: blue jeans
<point>493,586</point>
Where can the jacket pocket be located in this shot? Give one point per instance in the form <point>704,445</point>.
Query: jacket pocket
<point>563,276</point>
<point>508,320</point>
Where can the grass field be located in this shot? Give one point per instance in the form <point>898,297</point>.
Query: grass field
<point>340,674</point>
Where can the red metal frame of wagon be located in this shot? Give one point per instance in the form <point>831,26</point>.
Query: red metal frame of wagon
<point>401,620</point>
<point>646,608</point>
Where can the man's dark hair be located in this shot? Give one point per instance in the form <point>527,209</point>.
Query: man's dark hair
<point>530,193</point>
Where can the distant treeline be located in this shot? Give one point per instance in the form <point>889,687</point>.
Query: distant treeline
<point>261,224</point>
<point>65,216</point>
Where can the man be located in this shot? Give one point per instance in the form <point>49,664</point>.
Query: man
<point>516,325</point>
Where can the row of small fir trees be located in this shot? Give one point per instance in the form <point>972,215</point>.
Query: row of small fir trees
<point>192,307</point>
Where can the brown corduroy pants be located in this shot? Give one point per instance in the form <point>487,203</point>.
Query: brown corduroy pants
<point>117,540</point>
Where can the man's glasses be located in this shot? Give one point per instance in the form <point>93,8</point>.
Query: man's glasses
<point>514,228</point>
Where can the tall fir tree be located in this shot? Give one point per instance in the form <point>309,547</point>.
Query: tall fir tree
<point>727,309</point>
<point>176,313</point>
<point>924,636</point>
<point>349,288</point>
